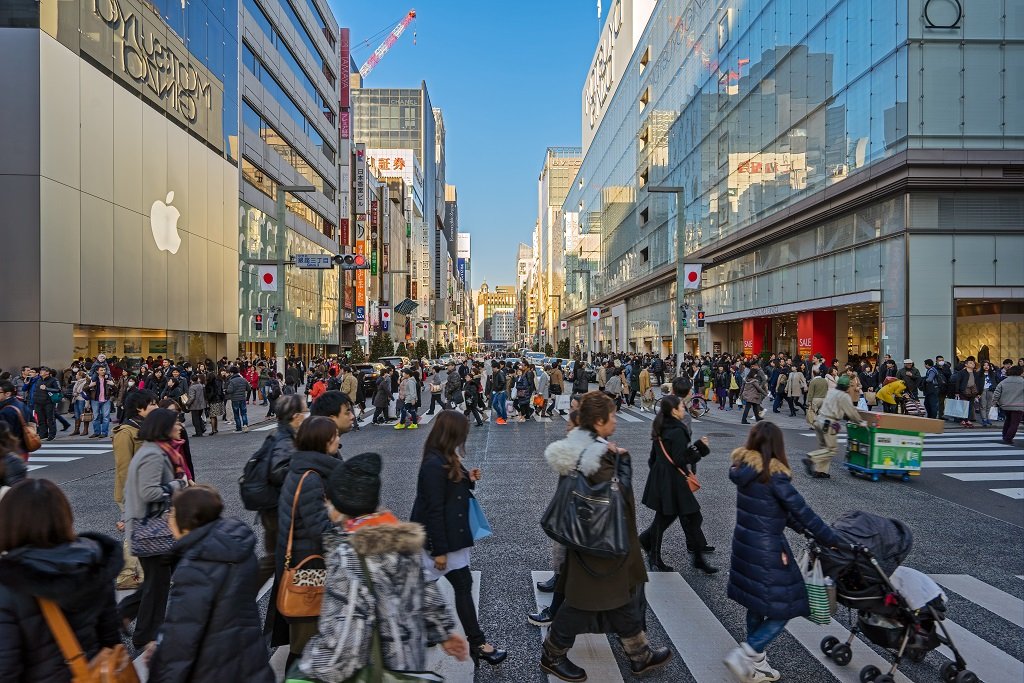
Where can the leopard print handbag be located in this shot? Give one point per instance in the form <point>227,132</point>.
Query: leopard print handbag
<point>302,588</point>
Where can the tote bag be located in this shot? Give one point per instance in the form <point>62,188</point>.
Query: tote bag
<point>478,523</point>
<point>822,605</point>
<point>954,407</point>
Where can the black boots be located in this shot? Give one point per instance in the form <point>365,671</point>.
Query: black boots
<point>654,561</point>
<point>494,657</point>
<point>549,585</point>
<point>701,564</point>
<point>553,661</point>
<point>642,657</point>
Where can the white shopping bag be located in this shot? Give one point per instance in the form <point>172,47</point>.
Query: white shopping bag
<point>817,590</point>
<point>993,414</point>
<point>862,404</point>
<point>562,402</point>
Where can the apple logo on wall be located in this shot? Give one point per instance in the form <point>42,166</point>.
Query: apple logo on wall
<point>163,218</point>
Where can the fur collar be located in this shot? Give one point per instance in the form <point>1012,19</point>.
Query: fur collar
<point>753,459</point>
<point>580,445</point>
<point>405,538</point>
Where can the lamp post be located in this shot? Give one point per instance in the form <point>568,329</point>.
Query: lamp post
<point>586,271</point>
<point>281,334</point>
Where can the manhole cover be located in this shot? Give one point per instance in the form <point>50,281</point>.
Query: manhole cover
<point>719,434</point>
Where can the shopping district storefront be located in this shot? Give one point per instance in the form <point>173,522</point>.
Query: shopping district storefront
<point>819,163</point>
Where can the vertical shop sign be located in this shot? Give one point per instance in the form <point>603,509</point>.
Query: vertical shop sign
<point>360,179</point>
<point>360,274</point>
<point>344,53</point>
<point>374,208</point>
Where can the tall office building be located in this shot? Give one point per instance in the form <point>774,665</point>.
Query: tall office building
<point>400,121</point>
<point>849,175</point>
<point>289,109</point>
<point>118,179</point>
<point>561,165</point>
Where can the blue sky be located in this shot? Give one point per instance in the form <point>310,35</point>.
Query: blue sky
<point>508,77</point>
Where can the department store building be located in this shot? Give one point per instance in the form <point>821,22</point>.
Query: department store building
<point>118,179</point>
<point>851,175</point>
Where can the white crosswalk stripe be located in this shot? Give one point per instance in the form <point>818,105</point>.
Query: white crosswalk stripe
<point>636,412</point>
<point>437,660</point>
<point>702,640</point>
<point>1015,493</point>
<point>58,453</point>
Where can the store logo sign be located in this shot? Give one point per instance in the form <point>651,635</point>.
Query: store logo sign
<point>163,219</point>
<point>145,56</point>
<point>601,80</point>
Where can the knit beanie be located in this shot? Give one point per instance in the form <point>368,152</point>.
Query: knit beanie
<point>354,485</point>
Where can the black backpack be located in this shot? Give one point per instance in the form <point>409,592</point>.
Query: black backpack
<point>254,486</point>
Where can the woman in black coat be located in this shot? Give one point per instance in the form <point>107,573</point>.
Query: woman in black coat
<point>316,444</point>
<point>764,576</point>
<point>667,492</point>
<point>444,488</point>
<point>212,631</point>
<point>42,557</point>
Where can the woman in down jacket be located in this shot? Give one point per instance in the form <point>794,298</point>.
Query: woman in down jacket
<point>765,576</point>
<point>212,631</point>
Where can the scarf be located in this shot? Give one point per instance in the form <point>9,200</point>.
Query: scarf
<point>382,518</point>
<point>172,449</point>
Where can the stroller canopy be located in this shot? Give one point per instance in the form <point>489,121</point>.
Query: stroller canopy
<point>889,540</point>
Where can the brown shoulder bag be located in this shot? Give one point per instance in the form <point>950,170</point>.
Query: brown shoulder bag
<point>691,478</point>
<point>111,665</point>
<point>302,589</point>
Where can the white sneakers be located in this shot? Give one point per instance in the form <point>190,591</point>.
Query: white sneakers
<point>749,666</point>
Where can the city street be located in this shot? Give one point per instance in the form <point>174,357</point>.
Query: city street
<point>968,536</point>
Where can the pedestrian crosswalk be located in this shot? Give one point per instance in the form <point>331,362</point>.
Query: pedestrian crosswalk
<point>701,639</point>
<point>53,453</point>
<point>973,456</point>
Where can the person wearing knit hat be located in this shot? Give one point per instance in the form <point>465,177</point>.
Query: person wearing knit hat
<point>375,562</point>
<point>836,406</point>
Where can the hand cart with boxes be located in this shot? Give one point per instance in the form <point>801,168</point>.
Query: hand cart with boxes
<point>890,445</point>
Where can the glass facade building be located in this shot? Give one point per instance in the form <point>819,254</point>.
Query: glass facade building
<point>119,152</point>
<point>837,157</point>
<point>289,120</point>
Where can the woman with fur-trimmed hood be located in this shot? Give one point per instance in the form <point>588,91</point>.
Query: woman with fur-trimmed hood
<point>765,576</point>
<point>602,594</point>
<point>409,613</point>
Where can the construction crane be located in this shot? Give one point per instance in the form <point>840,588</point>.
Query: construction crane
<point>396,33</point>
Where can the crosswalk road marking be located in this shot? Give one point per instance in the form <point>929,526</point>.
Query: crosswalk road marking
<point>1015,493</point>
<point>627,416</point>
<point>697,634</point>
<point>636,412</point>
<point>592,651</point>
<point>970,463</point>
<point>981,594</point>
<point>58,453</point>
<point>437,661</point>
<point>810,636</point>
<point>986,476</point>
<point>983,658</point>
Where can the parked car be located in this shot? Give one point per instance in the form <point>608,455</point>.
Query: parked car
<point>367,374</point>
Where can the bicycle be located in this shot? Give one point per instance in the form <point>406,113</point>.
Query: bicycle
<point>698,407</point>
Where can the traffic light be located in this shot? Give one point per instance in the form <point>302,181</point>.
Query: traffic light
<point>258,322</point>
<point>352,262</point>
<point>273,320</point>
<point>700,318</point>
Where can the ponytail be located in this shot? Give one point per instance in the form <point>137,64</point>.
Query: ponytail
<point>668,404</point>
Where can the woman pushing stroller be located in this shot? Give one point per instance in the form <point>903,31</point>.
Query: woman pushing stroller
<point>765,576</point>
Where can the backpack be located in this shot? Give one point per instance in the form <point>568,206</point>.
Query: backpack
<point>938,380</point>
<point>254,486</point>
<point>334,384</point>
<point>522,387</point>
<point>274,392</point>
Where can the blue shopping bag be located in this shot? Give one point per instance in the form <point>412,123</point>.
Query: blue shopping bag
<point>478,523</point>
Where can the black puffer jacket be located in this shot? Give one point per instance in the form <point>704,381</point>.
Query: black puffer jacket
<point>14,469</point>
<point>212,631</point>
<point>312,520</point>
<point>442,506</point>
<point>79,576</point>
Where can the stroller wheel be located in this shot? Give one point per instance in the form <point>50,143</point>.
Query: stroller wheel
<point>966,677</point>
<point>841,654</point>
<point>917,656</point>
<point>869,673</point>
<point>885,678</point>
<point>827,643</point>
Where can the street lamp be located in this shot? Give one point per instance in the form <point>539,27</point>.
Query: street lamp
<point>281,337</point>
<point>586,271</point>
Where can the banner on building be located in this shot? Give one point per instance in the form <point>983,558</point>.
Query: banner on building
<point>462,271</point>
<point>346,57</point>
<point>385,319</point>
<point>595,314</point>
<point>360,179</point>
<point>360,280</point>
<point>691,275</point>
<point>563,325</point>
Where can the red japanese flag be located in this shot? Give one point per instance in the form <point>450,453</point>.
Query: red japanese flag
<point>691,276</point>
<point>268,278</point>
<point>595,314</point>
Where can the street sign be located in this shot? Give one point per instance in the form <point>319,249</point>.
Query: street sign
<point>315,261</point>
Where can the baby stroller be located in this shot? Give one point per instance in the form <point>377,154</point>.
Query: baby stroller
<point>897,608</point>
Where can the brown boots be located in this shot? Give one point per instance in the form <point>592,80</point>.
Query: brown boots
<point>642,657</point>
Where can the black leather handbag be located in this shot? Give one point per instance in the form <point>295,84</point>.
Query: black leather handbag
<point>586,518</point>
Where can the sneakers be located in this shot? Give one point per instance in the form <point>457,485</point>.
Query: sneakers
<point>400,425</point>
<point>501,421</point>
<point>749,666</point>
<point>413,426</point>
<point>245,428</point>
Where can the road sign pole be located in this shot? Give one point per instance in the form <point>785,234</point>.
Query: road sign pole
<point>281,333</point>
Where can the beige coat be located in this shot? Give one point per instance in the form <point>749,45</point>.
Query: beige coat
<point>796,384</point>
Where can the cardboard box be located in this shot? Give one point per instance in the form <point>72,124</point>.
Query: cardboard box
<point>903,423</point>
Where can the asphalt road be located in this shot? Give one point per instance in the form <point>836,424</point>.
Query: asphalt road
<point>966,535</point>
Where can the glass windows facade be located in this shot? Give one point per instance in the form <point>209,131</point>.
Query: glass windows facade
<point>274,89</point>
<point>265,184</point>
<point>306,38</point>
<point>277,142</point>
<point>389,119</point>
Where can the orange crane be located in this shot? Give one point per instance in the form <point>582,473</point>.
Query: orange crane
<point>392,38</point>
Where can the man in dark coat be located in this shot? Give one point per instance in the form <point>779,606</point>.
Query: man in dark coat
<point>46,387</point>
